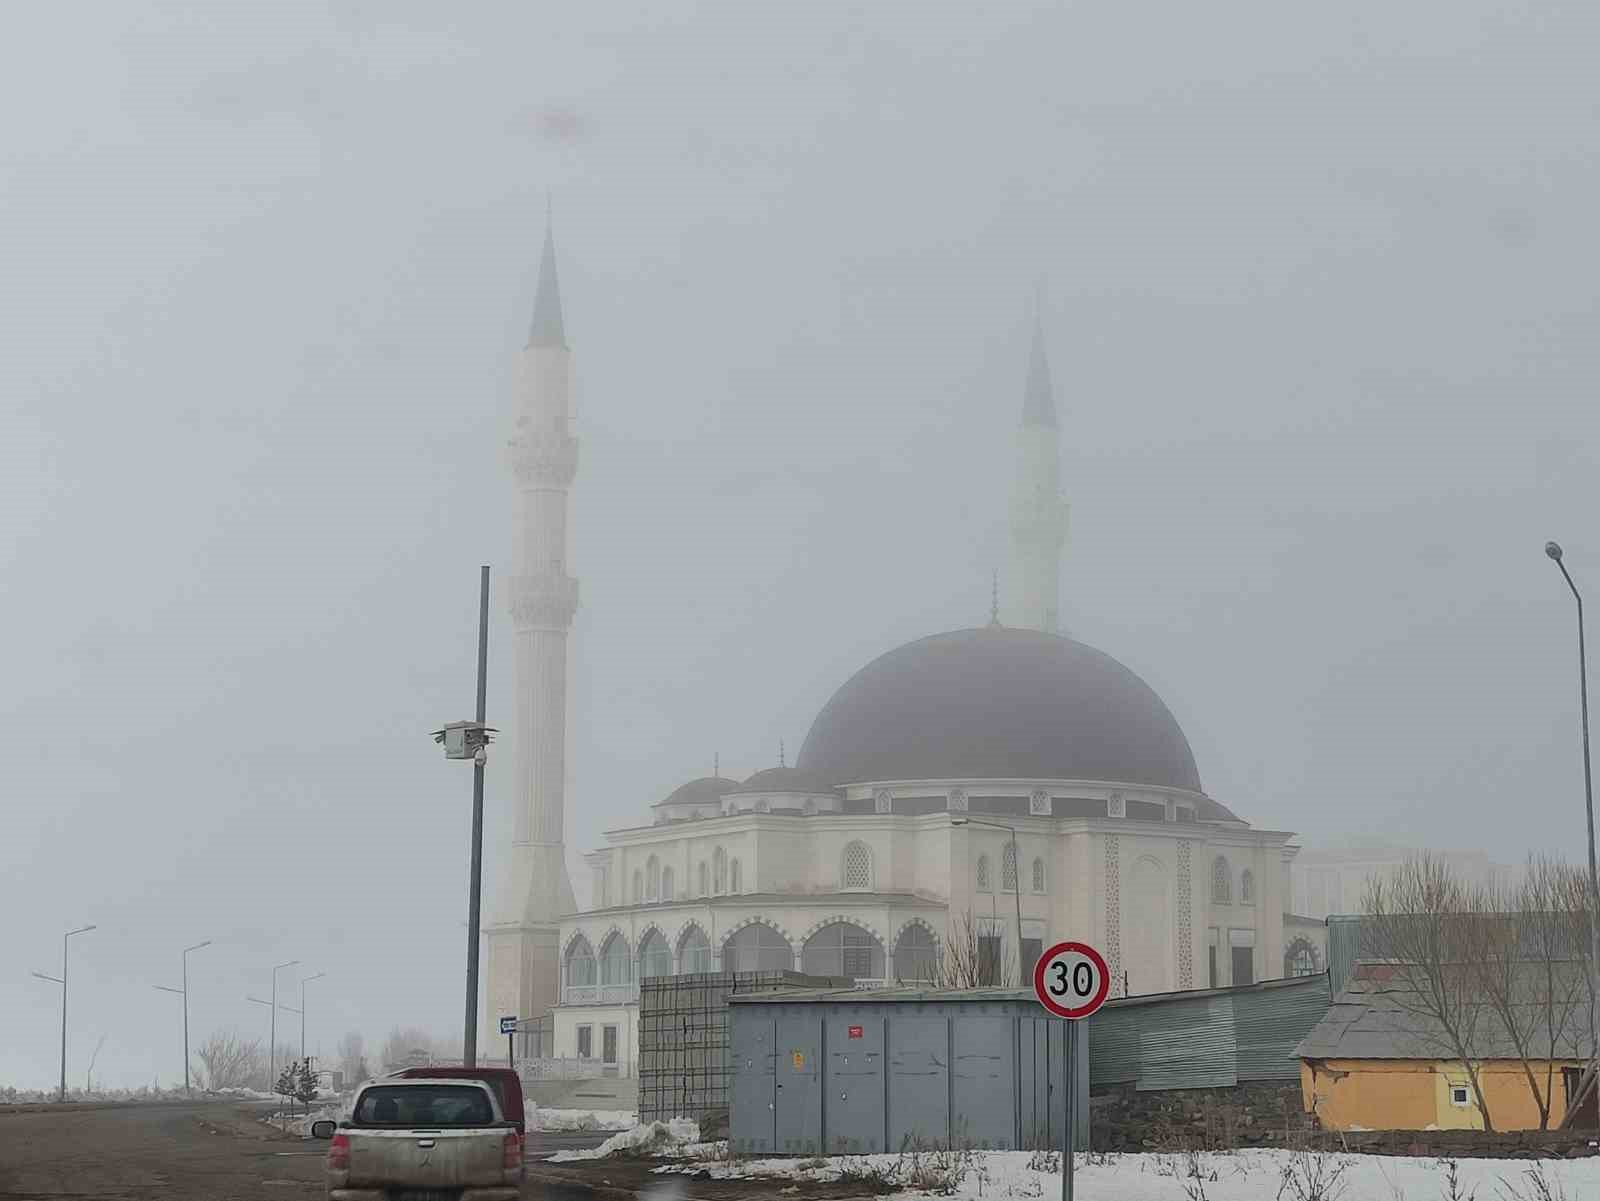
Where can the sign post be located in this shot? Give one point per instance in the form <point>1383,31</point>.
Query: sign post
<point>1071,981</point>
<point>508,1027</point>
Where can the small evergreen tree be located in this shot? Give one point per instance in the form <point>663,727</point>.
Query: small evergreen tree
<point>286,1082</point>
<point>306,1084</point>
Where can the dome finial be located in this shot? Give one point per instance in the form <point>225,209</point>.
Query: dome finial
<point>781,762</point>
<point>994,600</point>
<point>716,763</point>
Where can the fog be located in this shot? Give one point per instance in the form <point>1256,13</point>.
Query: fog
<point>1319,293</point>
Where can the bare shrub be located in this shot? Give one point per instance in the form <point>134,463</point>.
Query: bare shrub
<point>1313,1176</point>
<point>1537,1185</point>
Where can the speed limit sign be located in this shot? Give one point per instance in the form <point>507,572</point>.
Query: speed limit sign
<point>1071,980</point>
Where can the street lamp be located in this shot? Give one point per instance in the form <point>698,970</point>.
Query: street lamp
<point>272,1046</point>
<point>1016,890</point>
<point>470,740</point>
<point>62,980</point>
<point>1553,549</point>
<point>305,980</point>
<point>184,993</point>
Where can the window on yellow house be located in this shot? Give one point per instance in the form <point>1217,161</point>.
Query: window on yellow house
<point>1460,1095</point>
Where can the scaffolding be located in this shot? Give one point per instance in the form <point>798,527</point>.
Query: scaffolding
<point>683,1039</point>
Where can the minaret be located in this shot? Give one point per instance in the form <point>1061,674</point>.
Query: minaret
<point>524,968</point>
<point>1038,514</point>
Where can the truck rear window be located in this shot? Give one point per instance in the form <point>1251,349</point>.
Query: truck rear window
<point>424,1105</point>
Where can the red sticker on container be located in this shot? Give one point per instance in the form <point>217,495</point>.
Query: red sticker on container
<point>857,1032</point>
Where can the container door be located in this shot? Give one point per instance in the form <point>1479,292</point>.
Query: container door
<point>854,1085</point>
<point>799,1076</point>
<point>752,1110</point>
<point>919,1082</point>
<point>985,1084</point>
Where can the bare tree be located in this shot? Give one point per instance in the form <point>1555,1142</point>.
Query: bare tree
<point>1416,924</point>
<point>975,955</point>
<point>351,1046</point>
<point>88,1077</point>
<point>228,1060</point>
<point>405,1043</point>
<point>1558,952</point>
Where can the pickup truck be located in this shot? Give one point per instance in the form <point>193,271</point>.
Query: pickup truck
<point>423,1140</point>
<point>506,1083</point>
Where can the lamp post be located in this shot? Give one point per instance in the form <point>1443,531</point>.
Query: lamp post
<point>184,993</point>
<point>1553,549</point>
<point>1016,891</point>
<point>470,740</point>
<point>305,980</point>
<point>62,980</point>
<point>272,1045</point>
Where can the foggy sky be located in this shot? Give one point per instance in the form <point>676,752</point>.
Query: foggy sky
<point>1321,311</point>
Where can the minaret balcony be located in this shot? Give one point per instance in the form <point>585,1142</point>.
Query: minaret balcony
<point>543,460</point>
<point>544,601</point>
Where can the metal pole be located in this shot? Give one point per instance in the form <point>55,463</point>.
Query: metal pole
<point>1554,551</point>
<point>1066,1143</point>
<point>469,1041</point>
<point>272,1049</point>
<point>64,938</point>
<point>1016,861</point>
<point>187,1091</point>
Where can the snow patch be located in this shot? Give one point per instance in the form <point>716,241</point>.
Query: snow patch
<point>652,1138</point>
<point>581,1119</point>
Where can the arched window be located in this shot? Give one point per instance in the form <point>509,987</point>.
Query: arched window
<point>1247,887</point>
<point>705,889</point>
<point>1038,875</point>
<point>1008,868</point>
<point>1300,959</point>
<point>719,870</point>
<point>666,884</point>
<point>916,956</point>
<point>984,883</point>
<point>856,869</point>
<point>580,963</point>
<point>655,957</point>
<point>763,806</point>
<point>735,878</point>
<point>843,949</point>
<point>638,886</point>
<point>809,808</point>
<point>694,951</point>
<point>757,948</point>
<point>615,963</point>
<point>1221,882</point>
<point>652,879</point>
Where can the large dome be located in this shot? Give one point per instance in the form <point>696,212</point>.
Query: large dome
<point>998,703</point>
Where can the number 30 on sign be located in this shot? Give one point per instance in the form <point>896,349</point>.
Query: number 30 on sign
<point>1071,980</point>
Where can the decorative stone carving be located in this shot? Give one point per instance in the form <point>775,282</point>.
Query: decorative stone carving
<point>1039,803</point>
<point>543,460</point>
<point>545,601</point>
<point>882,801</point>
<point>956,800</point>
<point>1185,915</point>
<point>1116,805</point>
<point>1113,894</point>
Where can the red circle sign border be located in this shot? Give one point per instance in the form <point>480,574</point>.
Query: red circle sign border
<point>1094,1003</point>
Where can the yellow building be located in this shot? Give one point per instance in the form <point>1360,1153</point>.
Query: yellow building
<point>1375,1063</point>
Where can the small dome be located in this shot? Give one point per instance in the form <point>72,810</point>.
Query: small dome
<point>787,779</point>
<point>706,790</point>
<point>998,703</point>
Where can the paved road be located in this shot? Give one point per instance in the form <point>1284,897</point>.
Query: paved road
<point>206,1151</point>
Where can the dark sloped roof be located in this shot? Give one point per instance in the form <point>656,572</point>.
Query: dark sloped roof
<point>998,703</point>
<point>700,791</point>
<point>786,779</point>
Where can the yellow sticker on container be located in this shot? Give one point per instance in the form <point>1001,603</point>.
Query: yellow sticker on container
<point>799,1061</point>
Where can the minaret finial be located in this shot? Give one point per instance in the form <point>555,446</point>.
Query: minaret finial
<point>994,600</point>
<point>781,762</point>
<point>716,763</point>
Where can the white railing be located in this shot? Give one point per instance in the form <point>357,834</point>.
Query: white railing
<point>553,1068</point>
<point>600,994</point>
<point>867,983</point>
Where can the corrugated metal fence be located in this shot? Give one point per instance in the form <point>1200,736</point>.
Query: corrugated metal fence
<point>1213,1039</point>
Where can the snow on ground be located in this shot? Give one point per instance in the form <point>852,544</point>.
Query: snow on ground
<point>654,1138</point>
<point>581,1119</point>
<point>1254,1175</point>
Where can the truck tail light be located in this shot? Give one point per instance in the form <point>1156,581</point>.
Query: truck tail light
<point>339,1153</point>
<point>513,1150</point>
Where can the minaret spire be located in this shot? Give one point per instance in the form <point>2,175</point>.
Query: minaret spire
<point>1038,514</point>
<point>547,328</point>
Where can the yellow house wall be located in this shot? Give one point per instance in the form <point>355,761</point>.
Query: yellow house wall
<point>1411,1094</point>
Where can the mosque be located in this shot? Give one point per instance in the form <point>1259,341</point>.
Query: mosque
<point>959,803</point>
